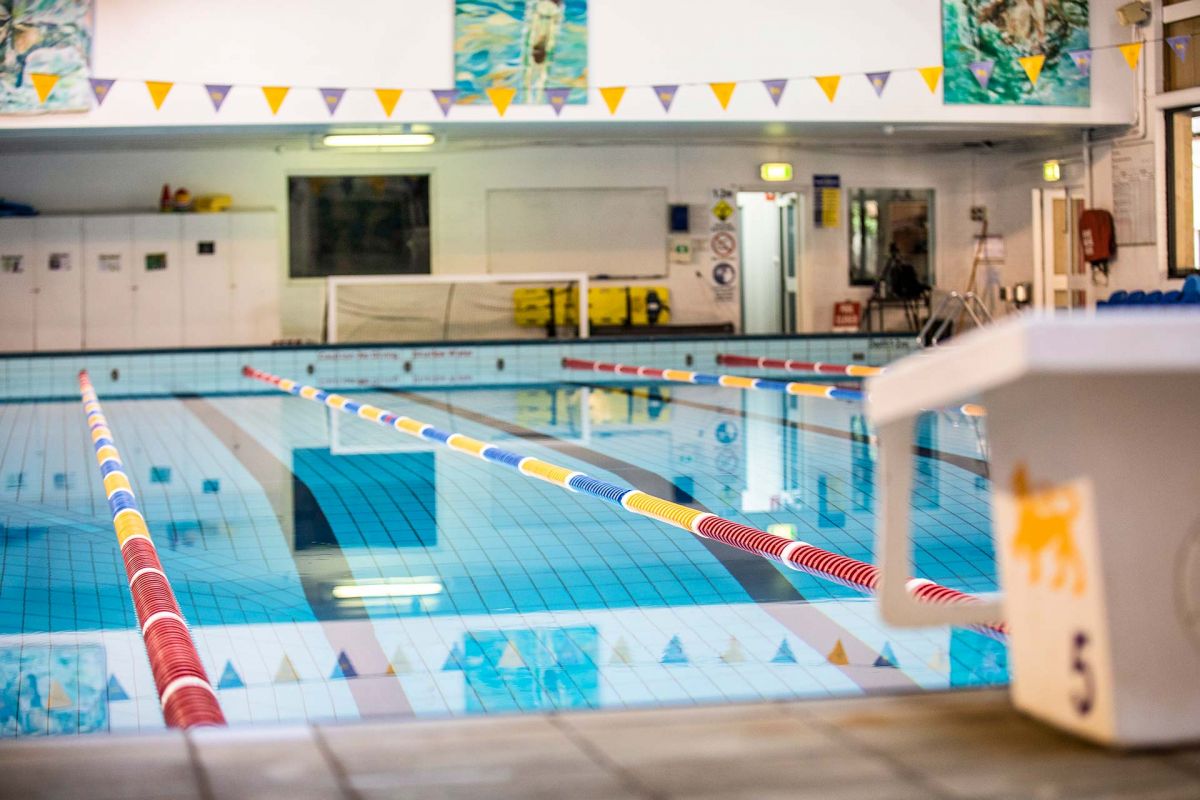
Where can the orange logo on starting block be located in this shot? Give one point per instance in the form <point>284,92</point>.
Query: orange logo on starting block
<point>1045,522</point>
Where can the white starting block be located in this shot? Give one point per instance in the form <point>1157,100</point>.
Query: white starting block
<point>1094,430</point>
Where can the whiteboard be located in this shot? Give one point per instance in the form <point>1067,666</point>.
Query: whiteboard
<point>598,231</point>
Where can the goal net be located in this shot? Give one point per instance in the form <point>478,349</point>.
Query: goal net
<point>428,308</point>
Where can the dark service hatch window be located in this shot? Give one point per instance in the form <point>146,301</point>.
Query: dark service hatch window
<point>358,225</point>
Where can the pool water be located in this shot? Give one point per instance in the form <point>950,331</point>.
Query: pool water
<point>331,568</point>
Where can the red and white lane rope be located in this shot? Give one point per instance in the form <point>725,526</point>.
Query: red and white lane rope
<point>789,365</point>
<point>799,556</point>
<point>187,697</point>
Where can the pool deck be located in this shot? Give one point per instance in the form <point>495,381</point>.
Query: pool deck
<point>968,744</point>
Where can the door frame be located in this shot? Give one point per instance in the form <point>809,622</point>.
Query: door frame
<point>804,300</point>
<point>1045,281</point>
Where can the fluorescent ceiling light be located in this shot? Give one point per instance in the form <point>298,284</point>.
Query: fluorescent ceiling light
<point>379,139</point>
<point>398,589</point>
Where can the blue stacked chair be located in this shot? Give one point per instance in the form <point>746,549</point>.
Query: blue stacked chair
<point>1191,291</point>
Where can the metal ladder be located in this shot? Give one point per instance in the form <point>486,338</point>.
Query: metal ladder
<point>963,303</point>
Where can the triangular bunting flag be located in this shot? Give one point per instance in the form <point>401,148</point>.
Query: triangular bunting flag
<point>557,98</point>
<point>1032,66</point>
<point>1179,45</point>
<point>733,653</point>
<point>116,691</point>
<point>775,89</point>
<point>784,654</point>
<point>674,653</point>
<point>399,665</point>
<point>286,672</point>
<point>445,99</point>
<point>332,98</point>
<point>44,84</point>
<point>878,81</point>
<point>159,91</point>
<point>838,655</point>
<point>1132,53</point>
<point>723,91</point>
<point>388,99</point>
<point>1083,60</point>
<point>982,70</point>
<point>501,97</point>
<point>275,96</point>
<point>887,658</point>
<point>217,92</point>
<point>343,668</point>
<point>100,88</point>
<point>612,97</point>
<point>828,84</point>
<point>666,95</point>
<point>229,678</point>
<point>453,661</point>
<point>620,653</point>
<point>511,658</point>
<point>58,697</point>
<point>931,76</point>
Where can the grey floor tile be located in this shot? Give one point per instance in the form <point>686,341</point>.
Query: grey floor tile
<point>264,763</point>
<point>514,757</point>
<point>100,768</point>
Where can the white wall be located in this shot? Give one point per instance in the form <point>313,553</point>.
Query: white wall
<point>408,44</point>
<point>460,180</point>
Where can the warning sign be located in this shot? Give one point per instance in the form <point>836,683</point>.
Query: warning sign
<point>722,210</point>
<point>723,244</point>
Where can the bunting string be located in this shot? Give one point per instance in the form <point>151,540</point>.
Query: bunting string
<point>501,97</point>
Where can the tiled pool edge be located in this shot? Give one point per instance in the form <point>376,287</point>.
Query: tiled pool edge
<point>163,373</point>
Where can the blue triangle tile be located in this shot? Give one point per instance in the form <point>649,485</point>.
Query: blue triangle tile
<point>784,654</point>
<point>674,653</point>
<point>887,658</point>
<point>454,660</point>
<point>229,678</point>
<point>343,668</point>
<point>115,690</point>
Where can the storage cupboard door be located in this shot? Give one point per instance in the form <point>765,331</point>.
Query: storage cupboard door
<point>207,295</point>
<point>257,273</point>
<point>157,283</point>
<point>108,268</point>
<point>58,279</point>
<point>16,284</point>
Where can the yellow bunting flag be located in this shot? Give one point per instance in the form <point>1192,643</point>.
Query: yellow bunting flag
<point>1033,67</point>
<point>1132,53</point>
<point>159,91</point>
<point>388,99</point>
<point>723,91</point>
<point>275,95</point>
<point>501,97</point>
<point>828,84</point>
<point>838,655</point>
<point>612,97</point>
<point>43,83</point>
<point>931,75</point>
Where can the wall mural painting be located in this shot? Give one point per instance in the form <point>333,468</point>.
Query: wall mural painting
<point>47,37</point>
<point>982,41</point>
<point>526,45</point>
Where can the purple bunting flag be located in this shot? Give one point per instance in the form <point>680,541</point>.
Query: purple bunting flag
<point>1180,45</point>
<point>332,98</point>
<point>217,92</point>
<point>100,87</point>
<point>878,81</point>
<point>557,98</point>
<point>666,95</point>
<point>1083,60</point>
<point>775,89</point>
<point>445,99</point>
<point>982,70</point>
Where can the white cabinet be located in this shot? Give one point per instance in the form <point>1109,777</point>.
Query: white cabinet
<point>256,272</point>
<point>207,294</point>
<point>16,284</point>
<point>116,281</point>
<point>108,269</point>
<point>58,283</point>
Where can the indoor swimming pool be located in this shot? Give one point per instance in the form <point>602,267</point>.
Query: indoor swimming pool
<point>334,569</point>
